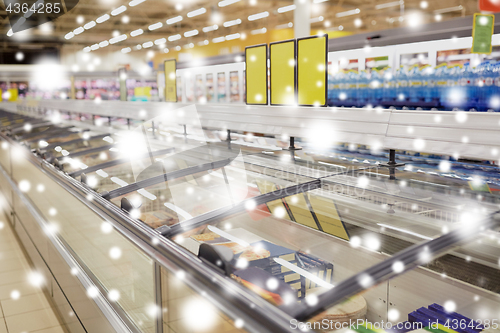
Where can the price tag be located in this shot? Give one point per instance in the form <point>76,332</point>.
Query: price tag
<point>482,32</point>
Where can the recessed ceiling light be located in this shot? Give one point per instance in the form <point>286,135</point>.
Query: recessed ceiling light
<point>118,10</point>
<point>191,33</point>
<point>196,12</point>
<point>135,2</point>
<point>174,20</point>
<point>89,25</point>
<point>155,26</point>
<point>258,16</point>
<point>174,38</point>
<point>80,19</point>
<point>103,18</point>
<point>136,32</point>
<point>225,3</point>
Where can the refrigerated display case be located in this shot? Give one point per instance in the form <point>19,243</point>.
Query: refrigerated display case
<point>210,86</point>
<point>198,89</point>
<point>221,87</point>
<point>179,89</point>
<point>305,236</point>
<point>234,87</point>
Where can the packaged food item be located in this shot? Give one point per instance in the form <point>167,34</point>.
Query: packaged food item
<point>156,219</point>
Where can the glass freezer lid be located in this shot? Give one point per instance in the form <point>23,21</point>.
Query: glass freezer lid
<point>308,227</point>
<point>88,140</point>
<point>72,164</point>
<point>58,135</point>
<point>200,189</point>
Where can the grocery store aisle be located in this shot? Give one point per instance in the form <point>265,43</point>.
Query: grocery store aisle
<point>23,306</point>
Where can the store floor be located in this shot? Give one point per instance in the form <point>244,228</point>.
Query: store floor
<point>23,307</point>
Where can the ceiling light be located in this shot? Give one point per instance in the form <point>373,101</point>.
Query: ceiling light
<point>216,17</point>
<point>150,54</point>
<point>203,42</point>
<point>115,33</point>
<point>191,33</point>
<point>231,23</point>
<point>174,20</point>
<point>286,9</point>
<point>118,10</point>
<point>327,24</point>
<point>125,19</point>
<point>147,44</point>
<point>424,4</point>
<point>78,30</point>
<point>191,45</point>
<point>126,50</point>
<point>136,32</point>
<point>317,19</point>
<point>449,9</point>
<point>94,47</point>
<point>233,36</point>
<point>438,17</point>
<point>165,50</point>
<point>174,37</point>
<point>103,43</point>
<point>160,41</point>
<point>253,2</point>
<point>89,25</point>
<point>196,12</point>
<point>389,4</point>
<point>319,1</point>
<point>155,26</point>
<point>218,39</point>
<point>258,31</point>
<point>225,3</point>
<point>285,26</point>
<point>258,16</point>
<point>358,23</point>
<point>135,2</point>
<point>69,35</point>
<point>138,47</point>
<point>80,19</point>
<point>348,13</point>
<point>178,6</point>
<point>117,39</point>
<point>414,20</point>
<point>103,18</point>
<point>178,48</point>
<point>86,49</point>
<point>210,28</point>
<point>9,33</point>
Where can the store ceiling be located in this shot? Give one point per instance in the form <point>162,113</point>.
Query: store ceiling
<point>373,15</point>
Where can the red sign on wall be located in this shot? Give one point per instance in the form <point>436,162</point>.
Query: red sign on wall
<point>489,5</point>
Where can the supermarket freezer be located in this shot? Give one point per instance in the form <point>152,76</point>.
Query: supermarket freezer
<point>180,199</point>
